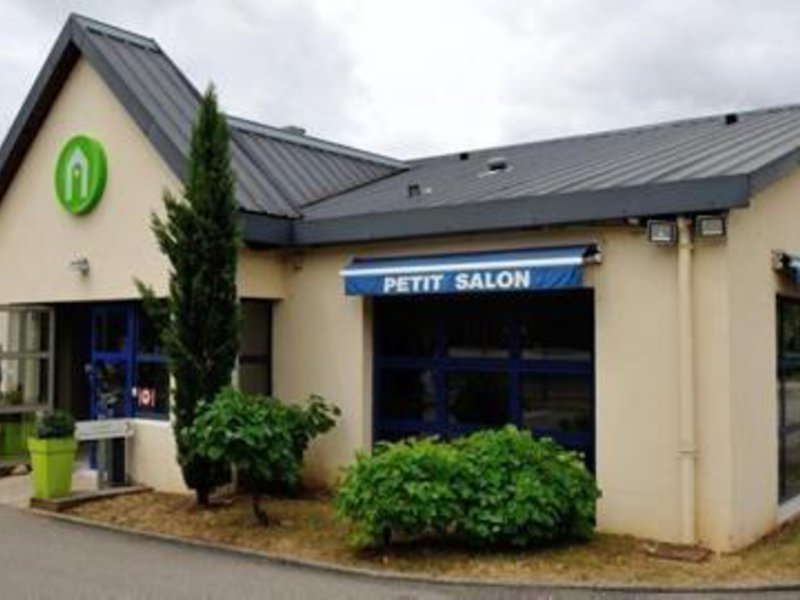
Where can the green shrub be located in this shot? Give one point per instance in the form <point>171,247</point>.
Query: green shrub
<point>406,488</point>
<point>54,425</point>
<point>516,489</point>
<point>490,488</point>
<point>261,438</point>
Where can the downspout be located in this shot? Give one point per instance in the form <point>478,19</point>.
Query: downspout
<point>686,446</point>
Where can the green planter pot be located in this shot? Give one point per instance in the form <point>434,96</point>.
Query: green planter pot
<point>13,439</point>
<point>52,461</point>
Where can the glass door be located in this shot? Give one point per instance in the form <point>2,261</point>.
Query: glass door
<point>112,361</point>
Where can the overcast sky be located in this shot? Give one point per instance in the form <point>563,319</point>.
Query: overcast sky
<point>416,77</point>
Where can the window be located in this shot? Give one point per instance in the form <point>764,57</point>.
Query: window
<point>451,364</point>
<point>789,397</point>
<point>255,356</point>
<point>25,359</point>
<point>151,372</point>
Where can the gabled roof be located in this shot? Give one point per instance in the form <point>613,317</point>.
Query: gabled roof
<point>277,172</point>
<point>295,189</point>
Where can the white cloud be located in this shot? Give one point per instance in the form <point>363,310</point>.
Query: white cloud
<point>427,76</point>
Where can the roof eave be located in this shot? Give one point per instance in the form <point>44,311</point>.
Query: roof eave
<point>681,197</point>
<point>261,230</point>
<point>57,67</point>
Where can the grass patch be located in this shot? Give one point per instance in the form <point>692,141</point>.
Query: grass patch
<point>309,528</point>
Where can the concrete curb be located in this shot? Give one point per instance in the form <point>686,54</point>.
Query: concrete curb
<point>412,578</point>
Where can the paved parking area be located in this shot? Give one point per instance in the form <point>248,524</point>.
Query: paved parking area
<point>43,558</point>
<point>15,490</point>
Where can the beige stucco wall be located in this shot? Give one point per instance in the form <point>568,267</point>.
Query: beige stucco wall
<point>38,238</point>
<point>151,456</point>
<point>322,337</point>
<point>769,224</point>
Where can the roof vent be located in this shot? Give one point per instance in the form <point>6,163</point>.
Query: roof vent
<point>294,130</point>
<point>497,163</point>
<point>731,119</point>
<point>463,156</point>
<point>414,190</point>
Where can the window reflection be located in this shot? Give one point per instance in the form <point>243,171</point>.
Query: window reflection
<point>408,394</point>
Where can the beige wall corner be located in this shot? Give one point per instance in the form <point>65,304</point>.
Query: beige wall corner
<point>770,223</point>
<point>262,274</point>
<point>637,387</point>
<point>319,348</point>
<point>152,456</point>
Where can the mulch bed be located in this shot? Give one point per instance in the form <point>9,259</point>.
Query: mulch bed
<point>308,528</point>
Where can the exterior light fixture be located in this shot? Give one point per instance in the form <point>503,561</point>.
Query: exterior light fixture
<point>662,233</point>
<point>79,265</point>
<point>710,226</point>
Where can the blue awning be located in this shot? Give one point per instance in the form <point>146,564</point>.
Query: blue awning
<point>477,272</point>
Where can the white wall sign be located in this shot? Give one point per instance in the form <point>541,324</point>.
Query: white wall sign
<point>103,429</point>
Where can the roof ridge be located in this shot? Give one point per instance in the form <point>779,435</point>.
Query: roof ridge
<point>118,33</point>
<point>630,130</point>
<point>315,143</point>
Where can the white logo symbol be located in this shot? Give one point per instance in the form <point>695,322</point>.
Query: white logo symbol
<point>78,164</point>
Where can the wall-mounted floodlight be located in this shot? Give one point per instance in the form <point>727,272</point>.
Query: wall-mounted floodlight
<point>710,226</point>
<point>663,233</point>
<point>79,265</point>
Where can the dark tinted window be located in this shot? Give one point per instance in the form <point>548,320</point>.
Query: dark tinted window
<point>478,398</point>
<point>408,327</point>
<point>255,354</point>
<point>408,394</point>
<point>557,403</point>
<point>152,389</point>
<point>557,327</point>
<point>789,397</point>
<point>111,329</point>
<point>478,329</point>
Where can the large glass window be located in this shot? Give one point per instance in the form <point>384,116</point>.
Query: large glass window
<point>255,356</point>
<point>26,376</point>
<point>451,364</point>
<point>789,397</point>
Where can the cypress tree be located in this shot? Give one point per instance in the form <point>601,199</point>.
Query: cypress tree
<point>199,321</point>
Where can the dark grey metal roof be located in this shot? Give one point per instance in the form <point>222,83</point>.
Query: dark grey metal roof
<point>298,190</point>
<point>695,165</point>
<point>276,172</point>
<point>308,169</point>
<point>646,156</point>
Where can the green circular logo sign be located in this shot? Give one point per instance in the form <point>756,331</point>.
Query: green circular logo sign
<point>80,174</point>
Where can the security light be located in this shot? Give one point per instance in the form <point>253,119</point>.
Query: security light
<point>710,226</point>
<point>663,233</point>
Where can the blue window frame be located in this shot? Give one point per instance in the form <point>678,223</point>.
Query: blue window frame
<point>788,397</point>
<point>129,376</point>
<point>449,365</point>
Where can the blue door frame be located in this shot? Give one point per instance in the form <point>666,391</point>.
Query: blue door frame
<point>123,357</point>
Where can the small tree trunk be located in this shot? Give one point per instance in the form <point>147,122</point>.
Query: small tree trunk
<point>258,511</point>
<point>202,494</point>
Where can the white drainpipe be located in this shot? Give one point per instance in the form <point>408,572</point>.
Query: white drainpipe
<point>687,448</point>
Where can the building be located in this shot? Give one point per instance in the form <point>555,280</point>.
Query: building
<point>632,294</point>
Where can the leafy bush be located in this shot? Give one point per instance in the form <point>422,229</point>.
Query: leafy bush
<point>55,425</point>
<point>406,488</point>
<point>520,490</point>
<point>490,488</point>
<point>261,438</point>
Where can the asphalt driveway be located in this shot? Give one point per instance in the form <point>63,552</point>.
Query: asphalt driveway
<point>45,558</point>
